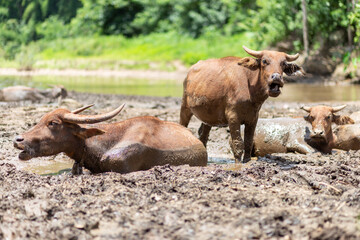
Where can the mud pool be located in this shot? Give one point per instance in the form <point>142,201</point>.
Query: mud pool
<point>282,196</point>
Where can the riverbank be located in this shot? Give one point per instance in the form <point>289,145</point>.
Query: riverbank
<point>285,196</point>
<point>341,75</point>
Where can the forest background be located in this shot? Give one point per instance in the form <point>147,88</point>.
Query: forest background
<point>158,34</point>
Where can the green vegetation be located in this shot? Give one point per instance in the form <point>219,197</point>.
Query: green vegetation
<point>147,34</point>
<point>111,51</point>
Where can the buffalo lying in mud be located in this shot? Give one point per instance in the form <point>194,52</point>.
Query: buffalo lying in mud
<point>281,135</point>
<point>230,91</point>
<point>23,93</point>
<point>321,118</point>
<point>134,144</point>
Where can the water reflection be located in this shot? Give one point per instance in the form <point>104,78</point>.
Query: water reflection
<point>220,160</point>
<point>62,171</point>
<point>317,93</point>
<point>290,92</point>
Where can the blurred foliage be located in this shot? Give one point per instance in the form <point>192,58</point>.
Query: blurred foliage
<point>266,21</point>
<point>156,47</point>
<point>354,18</point>
<point>26,58</point>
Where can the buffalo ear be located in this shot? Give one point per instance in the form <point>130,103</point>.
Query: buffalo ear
<point>292,69</point>
<point>84,133</point>
<point>342,120</point>
<point>249,62</point>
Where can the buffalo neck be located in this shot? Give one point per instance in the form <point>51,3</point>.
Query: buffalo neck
<point>77,151</point>
<point>324,146</point>
<point>331,141</point>
<point>257,86</point>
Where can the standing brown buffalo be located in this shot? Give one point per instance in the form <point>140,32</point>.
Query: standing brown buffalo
<point>230,91</point>
<point>131,145</point>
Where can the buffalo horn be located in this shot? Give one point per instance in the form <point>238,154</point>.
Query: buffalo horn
<point>76,111</point>
<point>291,58</point>
<point>257,54</point>
<point>338,108</point>
<point>305,108</point>
<point>88,119</point>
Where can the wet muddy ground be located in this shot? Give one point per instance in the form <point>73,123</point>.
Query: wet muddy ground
<point>286,196</point>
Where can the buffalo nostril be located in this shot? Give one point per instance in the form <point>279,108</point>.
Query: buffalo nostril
<point>275,76</point>
<point>318,133</point>
<point>19,139</point>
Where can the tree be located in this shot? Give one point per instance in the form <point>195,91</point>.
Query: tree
<point>305,30</point>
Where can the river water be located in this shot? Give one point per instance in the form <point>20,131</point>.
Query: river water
<point>290,92</point>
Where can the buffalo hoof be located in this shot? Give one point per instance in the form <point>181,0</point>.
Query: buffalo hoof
<point>77,169</point>
<point>245,160</point>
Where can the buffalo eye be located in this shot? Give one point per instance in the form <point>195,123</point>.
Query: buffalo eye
<point>264,62</point>
<point>328,117</point>
<point>52,123</point>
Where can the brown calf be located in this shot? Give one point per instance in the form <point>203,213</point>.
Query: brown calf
<point>230,91</point>
<point>130,145</point>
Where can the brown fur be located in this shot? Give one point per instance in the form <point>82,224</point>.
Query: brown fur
<point>249,62</point>
<point>347,137</point>
<point>229,92</point>
<point>130,145</point>
<point>342,120</point>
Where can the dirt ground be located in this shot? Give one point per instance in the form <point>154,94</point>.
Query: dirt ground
<point>284,196</point>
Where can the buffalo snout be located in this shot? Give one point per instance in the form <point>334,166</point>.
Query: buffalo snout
<point>18,139</point>
<point>18,142</point>
<point>276,76</point>
<point>27,152</point>
<point>276,82</point>
<point>317,134</point>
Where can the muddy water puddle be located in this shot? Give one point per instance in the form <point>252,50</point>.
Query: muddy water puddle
<point>48,167</point>
<point>220,160</point>
<point>63,165</point>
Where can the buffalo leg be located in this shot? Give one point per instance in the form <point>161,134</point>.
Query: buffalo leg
<point>185,114</point>
<point>204,131</point>
<point>300,148</point>
<point>236,142</point>
<point>248,141</point>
